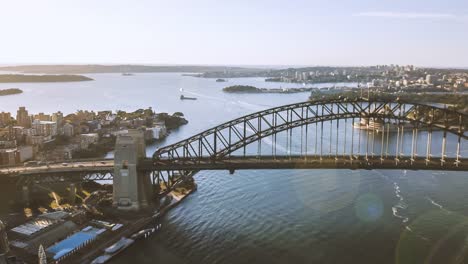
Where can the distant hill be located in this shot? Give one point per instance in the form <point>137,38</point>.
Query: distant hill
<point>19,78</point>
<point>80,69</point>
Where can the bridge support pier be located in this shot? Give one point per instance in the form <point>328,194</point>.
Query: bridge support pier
<point>132,188</point>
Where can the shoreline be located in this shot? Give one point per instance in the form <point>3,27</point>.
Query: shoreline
<point>138,226</point>
<point>24,78</point>
<point>243,89</point>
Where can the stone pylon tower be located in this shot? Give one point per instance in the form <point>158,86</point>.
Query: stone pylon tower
<point>132,190</point>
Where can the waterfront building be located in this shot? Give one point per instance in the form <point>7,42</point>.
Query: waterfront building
<point>149,134</point>
<point>94,125</point>
<point>160,129</point>
<point>45,128</point>
<point>429,79</point>
<point>7,144</point>
<point>58,118</point>
<point>68,130</point>
<point>17,133</point>
<point>88,139</point>
<point>9,157</point>
<point>5,118</point>
<point>42,117</point>
<point>26,153</point>
<point>46,230</point>
<point>27,131</point>
<point>83,129</point>
<point>22,117</point>
<point>37,140</point>
<point>139,122</point>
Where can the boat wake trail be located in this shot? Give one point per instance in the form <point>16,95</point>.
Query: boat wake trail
<point>205,96</point>
<point>243,104</point>
<point>398,209</point>
<point>437,205</point>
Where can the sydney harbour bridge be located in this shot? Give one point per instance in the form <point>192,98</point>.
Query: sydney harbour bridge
<point>322,134</point>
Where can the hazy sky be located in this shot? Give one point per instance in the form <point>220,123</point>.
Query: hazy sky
<point>238,32</point>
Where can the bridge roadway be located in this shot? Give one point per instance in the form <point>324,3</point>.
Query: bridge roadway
<point>102,166</point>
<point>244,163</point>
<point>311,162</point>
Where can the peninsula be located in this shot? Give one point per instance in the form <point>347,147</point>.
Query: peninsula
<point>21,78</point>
<point>10,91</point>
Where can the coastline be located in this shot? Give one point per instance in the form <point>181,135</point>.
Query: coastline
<point>22,78</point>
<point>138,226</point>
<point>243,89</point>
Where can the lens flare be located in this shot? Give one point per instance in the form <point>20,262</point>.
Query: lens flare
<point>369,207</point>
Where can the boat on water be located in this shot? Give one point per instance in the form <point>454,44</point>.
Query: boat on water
<point>145,233</point>
<point>101,259</point>
<point>127,74</point>
<point>122,244</point>
<point>182,97</point>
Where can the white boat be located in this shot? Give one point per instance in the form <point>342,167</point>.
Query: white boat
<point>122,244</point>
<point>145,232</point>
<point>101,259</point>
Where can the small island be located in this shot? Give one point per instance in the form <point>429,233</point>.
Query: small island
<point>10,91</point>
<point>220,80</point>
<point>21,78</point>
<point>242,89</point>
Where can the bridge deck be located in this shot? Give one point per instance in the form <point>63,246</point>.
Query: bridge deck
<point>84,166</point>
<point>246,163</point>
<point>312,162</point>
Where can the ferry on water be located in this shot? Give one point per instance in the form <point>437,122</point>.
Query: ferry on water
<point>182,97</point>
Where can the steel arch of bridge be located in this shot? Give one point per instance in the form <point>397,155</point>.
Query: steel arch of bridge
<point>219,142</point>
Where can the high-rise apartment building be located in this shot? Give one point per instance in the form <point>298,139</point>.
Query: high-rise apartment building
<point>22,117</point>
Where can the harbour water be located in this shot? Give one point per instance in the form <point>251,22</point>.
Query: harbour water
<point>281,216</point>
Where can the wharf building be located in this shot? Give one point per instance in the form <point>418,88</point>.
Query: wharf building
<point>56,236</point>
